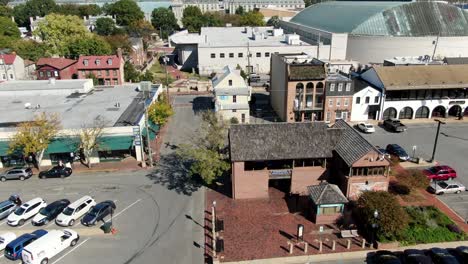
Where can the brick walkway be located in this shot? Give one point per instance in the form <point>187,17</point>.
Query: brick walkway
<point>266,222</point>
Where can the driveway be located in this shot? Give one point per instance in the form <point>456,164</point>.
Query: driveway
<point>452,150</point>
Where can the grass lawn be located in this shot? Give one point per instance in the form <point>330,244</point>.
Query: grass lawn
<point>429,225</point>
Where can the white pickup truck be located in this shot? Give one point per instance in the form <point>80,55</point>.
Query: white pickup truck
<point>49,245</point>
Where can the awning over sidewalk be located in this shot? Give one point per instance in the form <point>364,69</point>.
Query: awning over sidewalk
<point>116,143</point>
<point>153,129</point>
<point>4,145</point>
<point>63,145</point>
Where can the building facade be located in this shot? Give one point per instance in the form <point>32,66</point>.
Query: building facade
<point>232,96</point>
<point>11,67</point>
<point>107,69</point>
<point>245,47</point>
<point>58,68</point>
<point>298,155</point>
<point>339,92</point>
<point>366,101</point>
<point>413,92</point>
<point>124,133</point>
<point>297,87</point>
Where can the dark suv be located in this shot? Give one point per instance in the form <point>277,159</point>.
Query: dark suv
<point>17,173</point>
<point>398,151</point>
<point>56,172</point>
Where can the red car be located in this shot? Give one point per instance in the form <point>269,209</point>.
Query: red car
<point>440,173</point>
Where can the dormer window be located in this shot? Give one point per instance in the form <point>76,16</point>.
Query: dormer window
<point>98,62</point>
<point>109,61</point>
<point>85,62</point>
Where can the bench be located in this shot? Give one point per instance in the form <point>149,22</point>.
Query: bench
<point>349,233</point>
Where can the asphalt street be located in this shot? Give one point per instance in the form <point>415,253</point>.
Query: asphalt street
<point>159,213</point>
<point>452,150</point>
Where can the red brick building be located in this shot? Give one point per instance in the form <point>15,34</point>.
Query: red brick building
<point>58,68</point>
<point>297,155</point>
<point>107,69</point>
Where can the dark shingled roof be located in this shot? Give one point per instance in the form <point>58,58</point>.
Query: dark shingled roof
<point>352,146</point>
<point>456,60</point>
<point>298,72</point>
<point>326,193</point>
<point>279,141</point>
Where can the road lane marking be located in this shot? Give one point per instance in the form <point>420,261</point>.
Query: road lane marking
<point>128,207</point>
<point>71,251</point>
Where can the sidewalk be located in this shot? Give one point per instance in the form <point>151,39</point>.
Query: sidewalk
<point>341,256</point>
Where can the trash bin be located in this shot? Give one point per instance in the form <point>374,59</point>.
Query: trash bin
<point>107,227</point>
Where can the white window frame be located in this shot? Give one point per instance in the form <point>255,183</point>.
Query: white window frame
<point>332,87</point>
<point>330,102</point>
<point>346,101</point>
<point>338,102</point>
<point>340,87</point>
<point>348,87</point>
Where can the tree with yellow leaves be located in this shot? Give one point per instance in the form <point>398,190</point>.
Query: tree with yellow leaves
<point>33,137</point>
<point>90,138</point>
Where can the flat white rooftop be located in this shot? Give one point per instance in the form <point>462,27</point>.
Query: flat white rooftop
<point>75,109</point>
<point>45,87</point>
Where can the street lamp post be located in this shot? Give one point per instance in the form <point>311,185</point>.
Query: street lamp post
<point>213,226</point>
<point>436,139</point>
<point>374,227</point>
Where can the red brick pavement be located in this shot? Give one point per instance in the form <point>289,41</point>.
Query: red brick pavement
<point>256,229</point>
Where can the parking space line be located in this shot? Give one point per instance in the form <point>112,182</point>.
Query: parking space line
<point>77,246</point>
<point>117,214</point>
<point>3,223</point>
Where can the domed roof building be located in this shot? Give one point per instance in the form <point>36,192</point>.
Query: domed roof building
<point>373,31</point>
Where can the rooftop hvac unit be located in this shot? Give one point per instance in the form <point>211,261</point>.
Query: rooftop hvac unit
<point>293,39</point>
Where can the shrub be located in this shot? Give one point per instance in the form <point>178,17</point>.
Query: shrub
<point>414,179</point>
<point>399,188</point>
<point>392,219</point>
<point>234,120</point>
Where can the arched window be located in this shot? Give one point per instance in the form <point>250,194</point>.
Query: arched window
<point>389,113</point>
<point>310,88</point>
<point>439,111</point>
<point>406,113</point>
<point>422,112</point>
<point>319,88</point>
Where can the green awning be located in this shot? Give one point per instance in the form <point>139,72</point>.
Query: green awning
<point>4,145</point>
<point>115,143</point>
<point>63,145</point>
<point>153,129</point>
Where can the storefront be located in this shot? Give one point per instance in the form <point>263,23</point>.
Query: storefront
<point>115,148</point>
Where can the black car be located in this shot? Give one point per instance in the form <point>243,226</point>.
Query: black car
<point>55,172</point>
<point>386,257</point>
<point>442,256</point>
<point>50,212</point>
<point>394,125</point>
<point>416,256</point>
<point>98,213</point>
<point>398,151</point>
<point>461,253</point>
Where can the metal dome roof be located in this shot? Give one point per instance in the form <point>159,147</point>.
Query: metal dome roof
<point>386,18</point>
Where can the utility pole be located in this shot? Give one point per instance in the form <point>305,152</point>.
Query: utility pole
<point>435,45</point>
<point>436,139</point>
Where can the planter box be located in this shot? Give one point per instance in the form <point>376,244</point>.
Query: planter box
<point>388,245</point>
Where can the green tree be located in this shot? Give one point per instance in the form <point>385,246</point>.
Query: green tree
<point>119,41</point>
<point>59,31</point>
<point>4,2</point>
<point>30,49</point>
<point>274,21</point>
<point>34,137</point>
<point>125,11</point>
<point>252,18</point>
<point>206,153</point>
<point>210,19</point>
<point>164,20</point>
<point>6,11</point>
<point>392,218</point>
<point>91,45</point>
<point>130,73</point>
<point>192,11</point>
<point>8,28</point>
<point>89,10</point>
<point>147,76</point>
<point>33,8</point>
<point>240,11</point>
<point>105,26</point>
<point>192,18</point>
<point>140,28</point>
<point>311,2</point>
<point>160,111</point>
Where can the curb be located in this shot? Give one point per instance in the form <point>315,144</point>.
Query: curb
<point>340,256</point>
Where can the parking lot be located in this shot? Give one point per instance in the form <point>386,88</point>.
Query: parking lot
<point>150,219</point>
<point>452,150</point>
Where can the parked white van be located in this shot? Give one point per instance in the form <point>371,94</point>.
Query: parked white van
<point>49,245</point>
<point>75,210</point>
